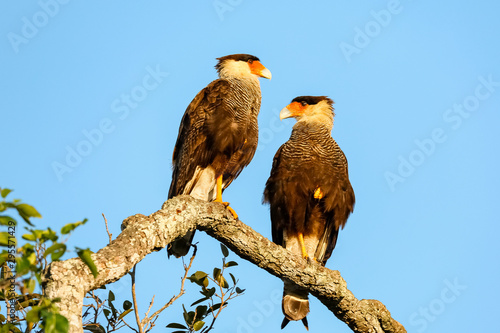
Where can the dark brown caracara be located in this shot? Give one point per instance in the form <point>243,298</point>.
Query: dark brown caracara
<point>309,192</point>
<point>218,135</point>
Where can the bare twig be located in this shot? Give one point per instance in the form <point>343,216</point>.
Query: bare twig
<point>150,306</point>
<point>136,310</point>
<point>132,328</point>
<point>153,317</point>
<point>110,235</point>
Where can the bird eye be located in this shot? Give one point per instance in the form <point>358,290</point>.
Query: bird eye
<point>250,61</point>
<point>303,103</point>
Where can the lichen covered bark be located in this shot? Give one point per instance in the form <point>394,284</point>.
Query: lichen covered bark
<point>70,280</point>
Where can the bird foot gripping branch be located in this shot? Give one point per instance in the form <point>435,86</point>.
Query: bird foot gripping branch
<point>218,197</point>
<point>231,210</point>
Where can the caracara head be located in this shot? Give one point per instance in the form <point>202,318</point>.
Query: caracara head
<point>242,66</point>
<point>318,109</point>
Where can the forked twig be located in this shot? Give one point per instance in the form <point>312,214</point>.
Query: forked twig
<point>110,235</point>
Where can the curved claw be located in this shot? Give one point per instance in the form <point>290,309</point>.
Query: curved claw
<point>231,210</point>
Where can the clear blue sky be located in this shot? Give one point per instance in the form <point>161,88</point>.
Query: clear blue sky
<point>417,92</point>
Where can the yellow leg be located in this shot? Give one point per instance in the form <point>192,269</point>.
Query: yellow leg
<point>218,197</point>
<point>303,246</point>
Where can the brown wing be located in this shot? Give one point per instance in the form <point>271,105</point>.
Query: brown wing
<point>337,202</point>
<point>245,152</point>
<point>275,195</point>
<point>193,146</point>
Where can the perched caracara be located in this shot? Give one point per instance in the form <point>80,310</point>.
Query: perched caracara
<point>309,192</point>
<point>218,134</point>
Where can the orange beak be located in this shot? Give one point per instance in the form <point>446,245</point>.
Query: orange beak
<point>294,109</point>
<point>258,69</point>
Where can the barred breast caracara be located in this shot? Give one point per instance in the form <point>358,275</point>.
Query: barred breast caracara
<point>218,135</point>
<point>309,192</point>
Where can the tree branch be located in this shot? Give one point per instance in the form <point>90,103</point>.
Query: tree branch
<point>71,279</point>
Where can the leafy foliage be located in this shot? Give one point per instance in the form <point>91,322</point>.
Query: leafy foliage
<point>216,292</point>
<point>113,314</point>
<point>22,267</point>
<point>23,260</point>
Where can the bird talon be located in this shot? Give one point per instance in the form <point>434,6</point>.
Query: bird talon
<point>231,210</point>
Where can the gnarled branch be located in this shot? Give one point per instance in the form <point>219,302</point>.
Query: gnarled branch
<point>71,279</point>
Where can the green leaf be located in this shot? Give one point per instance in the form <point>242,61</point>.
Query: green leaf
<point>72,226</point>
<point>27,211</point>
<point>106,312</point>
<point>232,278</point>
<point>5,192</point>
<point>29,237</point>
<point>48,234</point>
<point>5,237</point>
<point>62,324</point>
<point>84,254</point>
<point>54,323</point>
<point>56,251</point>
<point>111,296</point>
<point>210,292</point>
<point>214,308</point>
<point>188,317</point>
<point>239,291</point>
<point>31,258</point>
<point>3,257</point>
<point>230,264</point>
<point>176,325</point>
<point>124,313</point>
<point>201,311</point>
<point>7,220</point>
<point>94,328</point>
<point>30,284</point>
<point>33,315</point>
<point>223,282</point>
<point>200,275</point>
<point>225,251</point>
<point>216,273</point>
<point>127,305</point>
<point>198,325</point>
<point>9,328</point>
<point>200,300</point>
<point>22,265</point>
